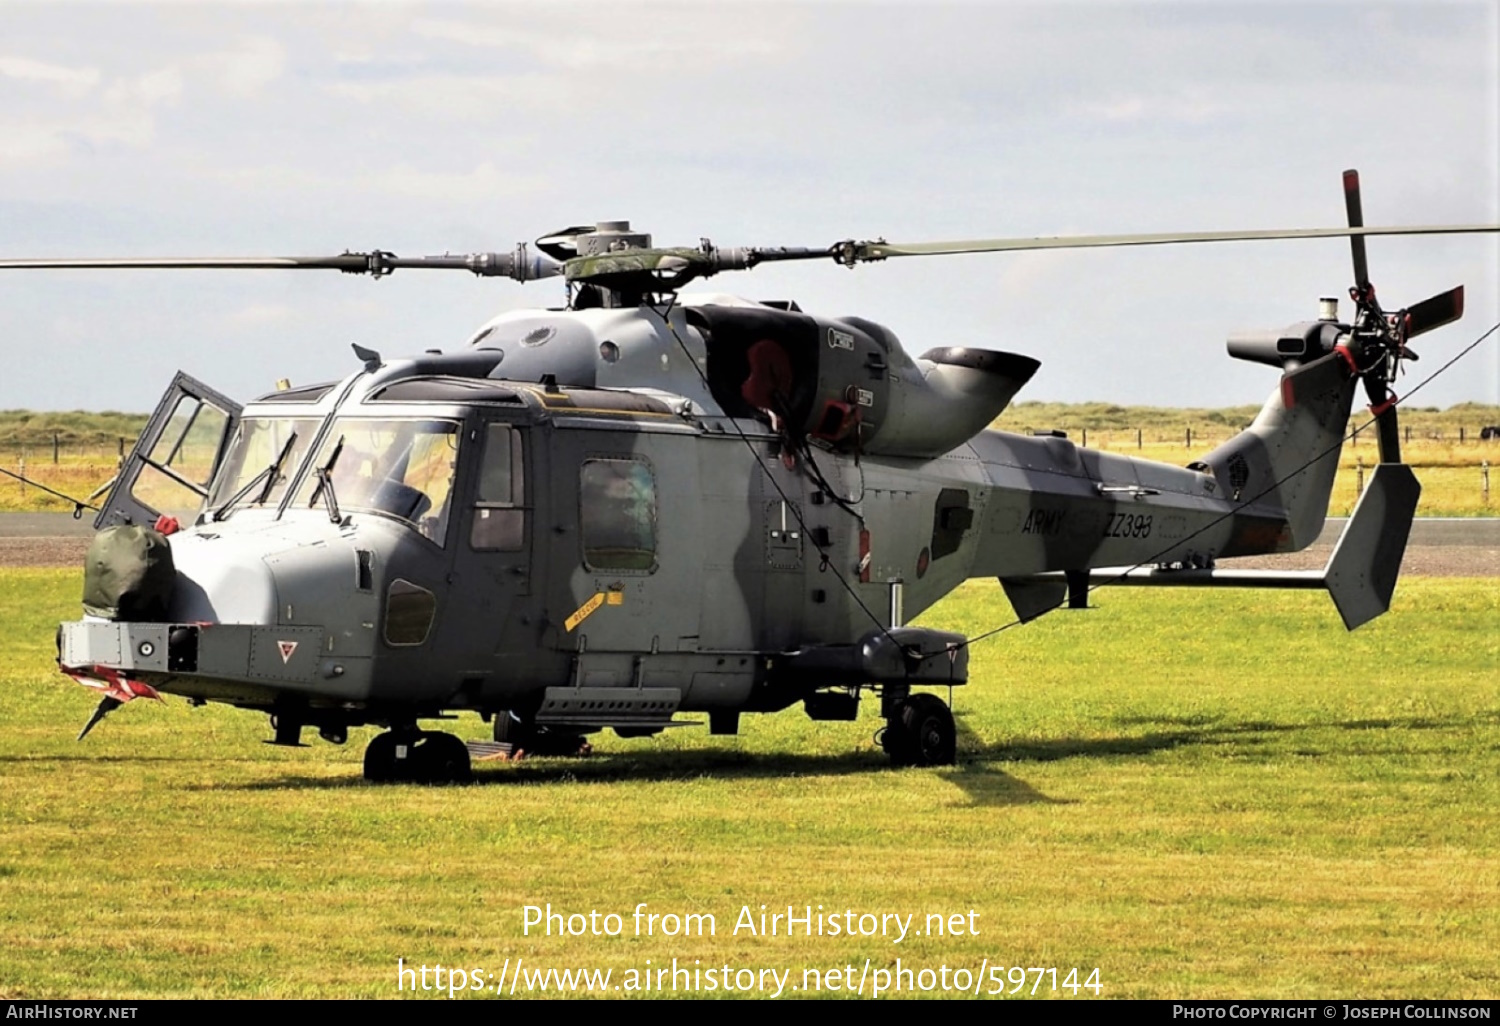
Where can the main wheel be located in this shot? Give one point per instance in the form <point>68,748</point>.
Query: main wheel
<point>920,732</point>
<point>380,758</point>
<point>440,758</point>
<point>429,758</point>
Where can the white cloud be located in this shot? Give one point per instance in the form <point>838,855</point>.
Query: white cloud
<point>72,80</point>
<point>630,40</point>
<point>1135,107</point>
<point>464,98</point>
<point>118,115</point>
<point>145,90</point>
<point>484,181</point>
<point>261,315</point>
<point>246,71</point>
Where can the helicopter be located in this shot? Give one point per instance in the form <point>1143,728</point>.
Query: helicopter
<point>648,503</point>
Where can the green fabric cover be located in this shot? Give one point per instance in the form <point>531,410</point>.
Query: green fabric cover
<point>128,574</point>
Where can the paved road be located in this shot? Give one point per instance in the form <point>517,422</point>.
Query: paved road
<point>1481,531</point>
<point>46,525</point>
<point>1434,531</point>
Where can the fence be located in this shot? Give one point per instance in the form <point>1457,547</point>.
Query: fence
<point>1466,450</point>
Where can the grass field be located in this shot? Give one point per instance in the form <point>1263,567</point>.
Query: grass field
<point>1200,796</point>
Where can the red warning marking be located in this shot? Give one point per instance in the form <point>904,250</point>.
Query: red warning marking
<point>286,648</point>
<point>111,682</point>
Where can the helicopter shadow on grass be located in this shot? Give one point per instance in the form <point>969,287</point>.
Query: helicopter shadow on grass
<point>977,774</point>
<point>984,784</point>
<point>639,765</point>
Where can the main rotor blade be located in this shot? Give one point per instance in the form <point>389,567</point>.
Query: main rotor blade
<point>862,251</point>
<point>519,264</point>
<point>1356,213</point>
<point>1435,311</point>
<point>352,262</point>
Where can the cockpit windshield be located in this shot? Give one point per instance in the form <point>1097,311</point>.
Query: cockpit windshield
<point>246,478</point>
<point>401,468</point>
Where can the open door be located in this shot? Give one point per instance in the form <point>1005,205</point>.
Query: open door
<point>175,459</point>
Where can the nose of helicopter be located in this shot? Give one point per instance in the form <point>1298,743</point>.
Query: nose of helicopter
<point>286,610</point>
<point>216,585</point>
<point>303,576</point>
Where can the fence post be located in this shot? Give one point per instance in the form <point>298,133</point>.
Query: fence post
<point>1484,474</point>
<point>1085,438</point>
<point>121,462</point>
<point>54,448</point>
<point>1359,476</point>
<point>1189,438</point>
<point>1137,438</point>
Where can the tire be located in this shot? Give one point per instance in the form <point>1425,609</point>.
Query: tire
<point>508,729</point>
<point>434,758</point>
<point>527,737</point>
<point>921,732</point>
<point>380,759</point>
<point>441,759</point>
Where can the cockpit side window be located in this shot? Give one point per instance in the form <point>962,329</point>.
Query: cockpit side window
<point>500,496</point>
<point>174,475</point>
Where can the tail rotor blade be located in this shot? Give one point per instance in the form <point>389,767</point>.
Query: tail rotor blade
<point>1356,220</point>
<point>1435,311</point>
<point>1383,405</point>
<point>1388,433</point>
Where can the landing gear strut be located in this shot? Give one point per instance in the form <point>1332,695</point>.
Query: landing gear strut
<point>919,731</point>
<point>419,757</point>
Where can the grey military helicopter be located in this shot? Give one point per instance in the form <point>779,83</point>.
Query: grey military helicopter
<point>645,504</point>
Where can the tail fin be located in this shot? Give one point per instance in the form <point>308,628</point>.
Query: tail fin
<point>1283,465</point>
<point>1362,574</point>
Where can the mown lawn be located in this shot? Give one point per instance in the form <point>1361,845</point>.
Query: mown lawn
<point>1200,795</point>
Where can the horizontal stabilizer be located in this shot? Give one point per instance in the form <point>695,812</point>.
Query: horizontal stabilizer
<point>1159,577</point>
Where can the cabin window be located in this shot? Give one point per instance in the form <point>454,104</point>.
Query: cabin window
<point>499,521</point>
<point>617,500</point>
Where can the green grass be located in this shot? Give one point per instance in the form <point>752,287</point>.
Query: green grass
<point>72,428</point>
<point>1202,795</point>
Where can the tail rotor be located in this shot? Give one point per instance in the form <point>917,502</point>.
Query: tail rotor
<point>1377,344</point>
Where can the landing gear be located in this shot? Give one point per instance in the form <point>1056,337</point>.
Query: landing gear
<point>919,731</point>
<point>419,757</point>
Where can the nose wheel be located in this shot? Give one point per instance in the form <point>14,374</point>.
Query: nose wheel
<point>417,757</point>
<point>919,731</point>
<point>525,738</point>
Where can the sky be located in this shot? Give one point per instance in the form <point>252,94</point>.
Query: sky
<point>254,129</point>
